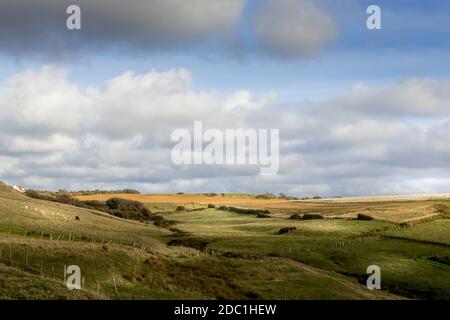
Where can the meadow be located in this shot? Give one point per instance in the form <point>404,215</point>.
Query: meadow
<point>211,252</point>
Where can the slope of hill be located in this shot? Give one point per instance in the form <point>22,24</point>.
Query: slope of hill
<point>121,259</point>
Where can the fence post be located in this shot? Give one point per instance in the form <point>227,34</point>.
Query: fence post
<point>115,287</point>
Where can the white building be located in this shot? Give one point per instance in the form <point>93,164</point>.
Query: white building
<point>19,188</point>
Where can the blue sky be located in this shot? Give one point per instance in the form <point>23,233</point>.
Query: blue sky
<point>325,60</point>
<point>413,42</point>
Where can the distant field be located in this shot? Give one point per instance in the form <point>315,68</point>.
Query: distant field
<point>395,208</point>
<point>417,197</point>
<point>186,198</point>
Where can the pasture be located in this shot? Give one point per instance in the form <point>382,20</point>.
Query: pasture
<point>216,253</point>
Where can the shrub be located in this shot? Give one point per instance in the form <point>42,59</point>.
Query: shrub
<point>296,216</point>
<point>211,206</point>
<point>405,225</point>
<point>262,215</point>
<point>311,216</point>
<point>442,259</point>
<point>180,208</point>
<point>65,198</point>
<point>442,209</point>
<point>248,211</point>
<point>286,230</point>
<point>163,223</point>
<point>93,192</point>
<point>267,195</point>
<point>96,205</point>
<point>128,209</point>
<point>33,194</point>
<point>364,217</point>
<point>212,194</point>
<point>190,243</point>
<point>37,195</point>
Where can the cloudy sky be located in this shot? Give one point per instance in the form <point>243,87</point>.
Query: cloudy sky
<point>360,112</point>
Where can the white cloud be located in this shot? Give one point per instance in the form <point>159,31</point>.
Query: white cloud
<point>56,142</point>
<point>243,99</point>
<point>413,97</point>
<point>54,134</point>
<point>42,101</point>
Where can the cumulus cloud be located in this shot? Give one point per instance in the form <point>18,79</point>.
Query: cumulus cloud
<point>55,134</point>
<point>294,28</point>
<point>412,97</point>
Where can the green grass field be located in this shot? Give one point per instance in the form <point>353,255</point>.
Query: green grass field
<point>215,254</point>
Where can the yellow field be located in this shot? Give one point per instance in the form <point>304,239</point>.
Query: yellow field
<point>387,208</point>
<point>186,198</point>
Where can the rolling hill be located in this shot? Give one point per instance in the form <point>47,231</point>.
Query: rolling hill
<point>239,256</point>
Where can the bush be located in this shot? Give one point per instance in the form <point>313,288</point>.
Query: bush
<point>128,209</point>
<point>286,230</point>
<point>405,225</point>
<point>212,194</point>
<point>33,194</point>
<point>190,243</point>
<point>163,223</point>
<point>311,216</point>
<point>262,215</point>
<point>93,192</point>
<point>211,206</point>
<point>39,195</point>
<point>96,205</point>
<point>65,198</point>
<point>247,211</point>
<point>364,217</point>
<point>180,208</point>
<point>442,209</point>
<point>266,196</point>
<point>296,217</point>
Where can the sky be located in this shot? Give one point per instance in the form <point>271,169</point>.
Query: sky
<point>360,112</point>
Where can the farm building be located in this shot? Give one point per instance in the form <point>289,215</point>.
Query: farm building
<point>19,188</point>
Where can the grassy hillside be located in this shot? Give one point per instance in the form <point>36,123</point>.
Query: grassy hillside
<point>209,254</point>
